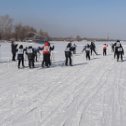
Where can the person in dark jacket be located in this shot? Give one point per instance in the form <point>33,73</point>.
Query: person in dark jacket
<point>120,52</point>
<point>68,54</point>
<point>13,50</point>
<point>36,51</point>
<point>87,51</point>
<point>116,45</point>
<point>47,54</point>
<point>112,47</point>
<point>93,48</point>
<point>21,56</point>
<point>31,55</point>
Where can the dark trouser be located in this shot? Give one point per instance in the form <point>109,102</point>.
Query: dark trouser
<point>68,57</point>
<point>119,55</point>
<point>36,57</point>
<point>115,54</point>
<point>49,59</point>
<point>13,56</point>
<point>93,50</point>
<point>31,63</point>
<point>88,55</point>
<point>104,52</point>
<point>112,49</point>
<point>19,62</point>
<point>74,50</point>
<point>46,60</point>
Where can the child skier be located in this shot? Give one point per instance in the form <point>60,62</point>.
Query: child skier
<point>87,50</point>
<point>68,54</point>
<point>116,46</point>
<point>31,56</point>
<point>105,49</point>
<point>20,56</point>
<point>14,50</point>
<point>120,53</point>
<point>93,48</point>
<point>36,52</point>
<point>46,54</point>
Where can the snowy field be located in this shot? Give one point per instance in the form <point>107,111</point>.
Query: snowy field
<point>90,93</point>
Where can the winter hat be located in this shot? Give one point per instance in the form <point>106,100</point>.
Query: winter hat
<point>69,44</point>
<point>21,46</point>
<point>46,43</point>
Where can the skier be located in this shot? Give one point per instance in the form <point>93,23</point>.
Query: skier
<point>93,48</point>
<point>120,52</point>
<point>20,56</point>
<point>112,47</point>
<point>13,50</point>
<point>105,49</point>
<point>36,51</point>
<point>116,45</point>
<point>46,54</point>
<point>31,56</point>
<point>68,54</point>
<point>74,48</point>
<point>87,50</point>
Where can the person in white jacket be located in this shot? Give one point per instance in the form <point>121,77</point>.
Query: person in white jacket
<point>20,56</point>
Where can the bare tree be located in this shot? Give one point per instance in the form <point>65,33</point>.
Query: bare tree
<point>23,32</point>
<point>6,25</point>
<point>44,35</point>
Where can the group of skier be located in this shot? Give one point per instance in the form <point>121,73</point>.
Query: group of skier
<point>70,49</point>
<point>89,49</point>
<point>32,54</point>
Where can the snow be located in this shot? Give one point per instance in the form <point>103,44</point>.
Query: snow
<point>90,93</point>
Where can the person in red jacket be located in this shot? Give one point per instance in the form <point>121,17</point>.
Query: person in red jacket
<point>46,54</point>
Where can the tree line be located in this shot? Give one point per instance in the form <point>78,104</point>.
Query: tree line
<point>19,32</point>
<point>11,31</point>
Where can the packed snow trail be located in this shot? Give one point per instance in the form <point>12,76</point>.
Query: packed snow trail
<point>90,93</point>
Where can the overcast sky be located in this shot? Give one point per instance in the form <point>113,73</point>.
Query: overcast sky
<point>87,18</point>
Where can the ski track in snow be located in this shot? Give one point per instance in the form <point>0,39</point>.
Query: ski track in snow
<point>90,93</point>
